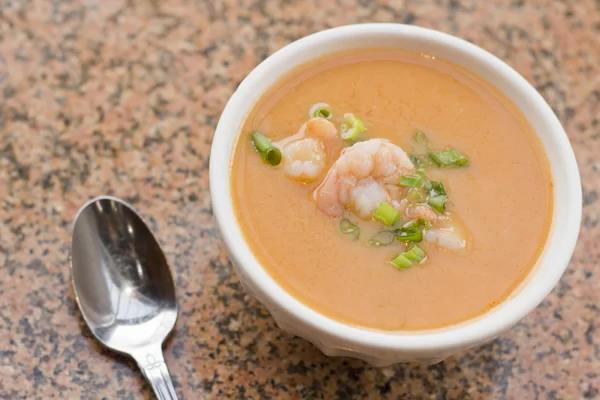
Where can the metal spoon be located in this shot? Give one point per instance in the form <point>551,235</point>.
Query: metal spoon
<point>123,286</point>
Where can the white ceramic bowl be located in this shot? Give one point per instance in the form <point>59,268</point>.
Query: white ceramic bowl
<point>379,347</point>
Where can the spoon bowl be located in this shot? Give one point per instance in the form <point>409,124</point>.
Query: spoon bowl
<point>123,285</point>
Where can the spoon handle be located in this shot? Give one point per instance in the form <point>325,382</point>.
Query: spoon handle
<point>153,365</point>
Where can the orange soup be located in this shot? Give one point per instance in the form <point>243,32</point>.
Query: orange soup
<point>391,190</point>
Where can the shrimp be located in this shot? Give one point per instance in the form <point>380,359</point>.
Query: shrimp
<point>317,128</point>
<point>303,159</point>
<point>362,177</point>
<point>321,128</point>
<point>450,234</point>
<point>447,239</point>
<point>304,153</point>
<point>420,211</point>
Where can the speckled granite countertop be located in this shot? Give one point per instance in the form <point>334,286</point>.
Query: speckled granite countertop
<point>122,97</point>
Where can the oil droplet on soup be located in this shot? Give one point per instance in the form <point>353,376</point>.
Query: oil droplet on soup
<point>392,191</point>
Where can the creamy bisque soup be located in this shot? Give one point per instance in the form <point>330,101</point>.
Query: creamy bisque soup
<point>391,190</point>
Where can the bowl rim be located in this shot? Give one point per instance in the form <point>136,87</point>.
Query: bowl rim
<point>472,332</point>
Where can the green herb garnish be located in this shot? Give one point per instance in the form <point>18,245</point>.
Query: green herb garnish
<point>347,227</point>
<point>437,188</point>
<point>351,128</point>
<point>448,157</point>
<point>413,231</point>
<point>386,214</point>
<point>411,181</point>
<point>321,110</point>
<point>382,238</point>
<point>408,258</point>
<point>427,184</point>
<point>421,146</point>
<point>269,153</point>
<point>424,223</point>
<point>438,202</point>
<point>410,233</point>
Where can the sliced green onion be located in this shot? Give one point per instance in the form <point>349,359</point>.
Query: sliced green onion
<point>421,223</point>
<point>427,185</point>
<point>410,233</point>
<point>413,231</point>
<point>409,258</point>
<point>347,227</point>
<point>437,188</point>
<point>321,110</point>
<point>386,214</point>
<point>270,154</point>
<point>417,195</point>
<point>422,162</point>
<point>411,181</point>
<point>382,238</point>
<point>351,128</point>
<point>421,147</point>
<point>424,223</point>
<point>448,157</point>
<point>415,254</point>
<point>438,202</point>
<point>401,262</point>
<point>420,137</point>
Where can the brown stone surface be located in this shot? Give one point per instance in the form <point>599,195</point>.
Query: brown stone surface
<point>122,98</point>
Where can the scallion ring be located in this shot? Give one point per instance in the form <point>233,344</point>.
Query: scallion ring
<point>347,227</point>
<point>352,128</point>
<point>411,181</point>
<point>268,151</point>
<point>321,110</point>
<point>410,233</point>
<point>420,137</point>
<point>438,202</point>
<point>386,214</point>
<point>437,188</point>
<point>382,238</point>
<point>421,147</point>
<point>409,258</point>
<point>448,157</point>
